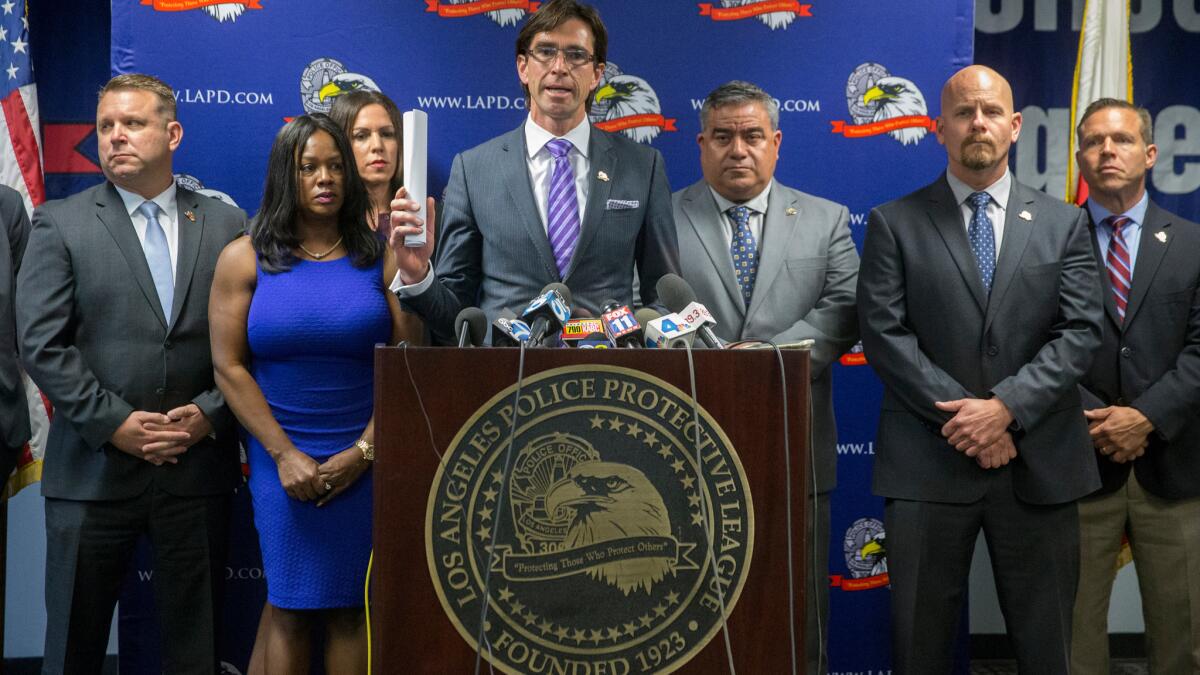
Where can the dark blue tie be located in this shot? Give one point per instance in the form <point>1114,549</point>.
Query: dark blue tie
<point>983,238</point>
<point>744,251</point>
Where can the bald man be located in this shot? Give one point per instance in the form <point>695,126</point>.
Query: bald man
<point>979,305</point>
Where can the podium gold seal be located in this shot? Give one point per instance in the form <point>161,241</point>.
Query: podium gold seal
<point>605,542</point>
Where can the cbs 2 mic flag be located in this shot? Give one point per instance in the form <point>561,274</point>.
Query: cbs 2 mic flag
<point>20,141</point>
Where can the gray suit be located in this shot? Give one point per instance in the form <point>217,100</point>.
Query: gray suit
<point>94,338</point>
<point>14,411</point>
<point>493,251</point>
<point>804,289</point>
<point>932,333</point>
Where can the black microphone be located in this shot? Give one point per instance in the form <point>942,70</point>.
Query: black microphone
<point>679,297</point>
<point>620,325</point>
<point>508,330</point>
<point>547,313</point>
<point>644,316</point>
<point>470,325</point>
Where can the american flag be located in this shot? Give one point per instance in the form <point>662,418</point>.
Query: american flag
<point>20,140</point>
<point>21,169</point>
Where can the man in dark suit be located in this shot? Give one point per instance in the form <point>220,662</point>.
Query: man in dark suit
<point>14,410</point>
<point>772,263</point>
<point>553,200</point>
<point>112,312</point>
<point>1142,400</point>
<point>979,305</point>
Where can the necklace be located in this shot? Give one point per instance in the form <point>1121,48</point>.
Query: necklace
<point>318,256</point>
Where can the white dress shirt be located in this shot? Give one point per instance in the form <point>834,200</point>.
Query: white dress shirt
<point>540,164</point>
<point>168,217</point>
<point>758,212</point>
<point>996,208</point>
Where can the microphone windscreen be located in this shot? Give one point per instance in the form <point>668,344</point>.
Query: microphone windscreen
<point>645,315</point>
<point>674,292</point>
<point>476,323</point>
<point>562,290</point>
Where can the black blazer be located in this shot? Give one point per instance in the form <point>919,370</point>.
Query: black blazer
<point>14,409</point>
<point>94,339</point>
<point>932,334</point>
<point>1152,361</point>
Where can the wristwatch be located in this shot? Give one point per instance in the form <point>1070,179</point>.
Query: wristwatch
<point>368,449</point>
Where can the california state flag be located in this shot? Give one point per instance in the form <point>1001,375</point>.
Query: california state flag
<point>1103,69</point>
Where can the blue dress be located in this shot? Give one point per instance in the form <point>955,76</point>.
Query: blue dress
<point>312,332</point>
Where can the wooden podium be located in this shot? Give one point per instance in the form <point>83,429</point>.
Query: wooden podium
<point>552,515</point>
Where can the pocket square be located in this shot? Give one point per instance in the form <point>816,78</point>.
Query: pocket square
<point>621,204</point>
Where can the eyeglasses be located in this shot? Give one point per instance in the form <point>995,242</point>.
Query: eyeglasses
<point>573,56</point>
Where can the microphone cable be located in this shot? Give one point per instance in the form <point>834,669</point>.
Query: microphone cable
<point>707,525</point>
<point>480,634</point>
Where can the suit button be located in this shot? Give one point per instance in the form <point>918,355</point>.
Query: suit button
<point>1126,352</point>
<point>168,344</point>
<point>993,350</point>
<point>1120,401</point>
<point>160,391</point>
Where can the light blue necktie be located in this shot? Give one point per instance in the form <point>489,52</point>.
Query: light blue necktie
<point>158,257</point>
<point>744,251</point>
<point>982,237</point>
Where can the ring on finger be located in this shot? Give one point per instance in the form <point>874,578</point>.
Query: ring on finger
<point>328,486</point>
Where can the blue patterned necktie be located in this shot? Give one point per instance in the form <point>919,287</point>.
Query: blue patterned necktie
<point>562,206</point>
<point>158,257</point>
<point>744,251</point>
<point>982,237</point>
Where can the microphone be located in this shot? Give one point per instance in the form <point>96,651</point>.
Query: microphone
<point>578,329</point>
<point>670,332</point>
<point>644,316</point>
<point>509,331</point>
<point>547,313</point>
<point>620,326</point>
<point>679,297</point>
<point>470,326</point>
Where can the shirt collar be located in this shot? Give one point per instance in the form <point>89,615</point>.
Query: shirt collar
<point>1136,213</point>
<point>998,191</point>
<point>536,137</point>
<point>757,203</point>
<point>164,199</point>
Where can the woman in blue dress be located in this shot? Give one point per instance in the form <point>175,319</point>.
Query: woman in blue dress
<point>296,310</point>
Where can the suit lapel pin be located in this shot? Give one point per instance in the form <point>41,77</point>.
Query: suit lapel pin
<point>1025,215</point>
<point>600,175</point>
<point>1161,236</point>
<point>190,216</point>
<point>791,211</point>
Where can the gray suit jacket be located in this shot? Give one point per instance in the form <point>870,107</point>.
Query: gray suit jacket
<point>94,339</point>
<point>1151,361</point>
<point>492,249</point>
<point>14,410</point>
<point>804,289</point>
<point>932,334</point>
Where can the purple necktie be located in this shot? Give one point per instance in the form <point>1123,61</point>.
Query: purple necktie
<point>562,207</point>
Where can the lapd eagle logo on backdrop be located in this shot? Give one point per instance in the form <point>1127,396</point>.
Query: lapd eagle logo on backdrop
<point>589,534</point>
<point>503,12</point>
<point>221,11</point>
<point>189,182</point>
<point>882,103</point>
<point>324,80</point>
<point>864,548</point>
<point>628,104</point>
<point>775,14</point>
<point>773,20</point>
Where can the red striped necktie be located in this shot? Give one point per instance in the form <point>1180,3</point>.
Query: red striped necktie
<point>1120,270</point>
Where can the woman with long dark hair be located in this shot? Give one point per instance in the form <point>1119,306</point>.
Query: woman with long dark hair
<point>372,122</point>
<point>296,309</point>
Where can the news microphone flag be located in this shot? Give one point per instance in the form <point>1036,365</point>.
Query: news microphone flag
<point>21,169</point>
<point>1103,69</point>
